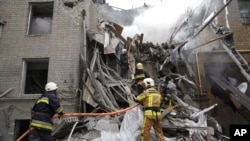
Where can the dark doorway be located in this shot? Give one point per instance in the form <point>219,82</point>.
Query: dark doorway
<point>21,126</point>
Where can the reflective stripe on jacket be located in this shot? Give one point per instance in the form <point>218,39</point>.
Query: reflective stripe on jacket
<point>151,100</point>
<point>42,125</point>
<point>44,109</point>
<point>140,76</point>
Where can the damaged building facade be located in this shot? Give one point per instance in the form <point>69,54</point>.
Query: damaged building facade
<point>41,41</point>
<point>218,68</point>
<point>220,72</point>
<point>53,40</point>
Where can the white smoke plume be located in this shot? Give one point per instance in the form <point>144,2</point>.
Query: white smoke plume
<point>158,23</point>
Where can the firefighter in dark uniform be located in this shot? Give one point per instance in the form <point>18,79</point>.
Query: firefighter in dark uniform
<point>42,112</point>
<point>124,64</point>
<point>140,75</point>
<point>229,39</point>
<point>166,96</point>
<point>151,101</point>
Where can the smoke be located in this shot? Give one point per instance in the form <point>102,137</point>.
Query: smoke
<point>41,25</point>
<point>166,16</point>
<point>165,21</point>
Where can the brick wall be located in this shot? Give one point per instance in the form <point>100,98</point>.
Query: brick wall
<point>62,47</point>
<point>241,32</point>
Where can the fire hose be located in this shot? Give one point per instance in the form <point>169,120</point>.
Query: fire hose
<point>79,115</point>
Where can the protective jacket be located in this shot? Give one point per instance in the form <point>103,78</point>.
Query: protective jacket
<point>151,100</point>
<point>140,75</point>
<point>167,100</point>
<point>166,96</point>
<point>44,109</point>
<point>124,61</point>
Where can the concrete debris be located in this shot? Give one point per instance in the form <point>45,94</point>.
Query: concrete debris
<point>107,92</point>
<point>106,125</point>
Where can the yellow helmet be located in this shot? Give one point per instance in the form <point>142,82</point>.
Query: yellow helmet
<point>139,66</point>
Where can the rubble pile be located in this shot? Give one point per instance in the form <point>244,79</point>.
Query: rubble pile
<point>115,115</point>
<point>180,122</point>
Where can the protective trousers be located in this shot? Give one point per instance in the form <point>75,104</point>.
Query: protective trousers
<point>124,73</point>
<point>39,135</point>
<point>147,124</point>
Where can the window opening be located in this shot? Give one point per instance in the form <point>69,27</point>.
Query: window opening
<point>36,76</point>
<point>69,4</point>
<point>40,18</point>
<point>244,7</point>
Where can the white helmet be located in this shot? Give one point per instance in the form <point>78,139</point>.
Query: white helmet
<point>149,82</point>
<point>50,86</point>
<point>124,50</point>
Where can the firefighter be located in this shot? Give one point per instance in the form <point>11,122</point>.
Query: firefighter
<point>227,40</point>
<point>166,96</point>
<point>124,64</point>
<point>151,101</point>
<point>42,112</point>
<point>140,75</point>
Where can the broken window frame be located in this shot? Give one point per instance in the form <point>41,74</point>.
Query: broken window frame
<point>244,8</point>
<point>25,65</point>
<point>30,29</point>
<point>69,4</point>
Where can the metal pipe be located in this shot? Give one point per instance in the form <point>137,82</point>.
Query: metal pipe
<point>84,35</point>
<point>84,54</point>
<point>73,128</point>
<point>198,71</point>
<point>81,95</point>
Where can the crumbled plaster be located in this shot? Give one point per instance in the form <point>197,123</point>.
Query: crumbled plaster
<point>74,14</point>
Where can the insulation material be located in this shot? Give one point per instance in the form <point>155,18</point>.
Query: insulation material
<point>106,40</point>
<point>132,120</point>
<point>121,136</point>
<point>110,48</point>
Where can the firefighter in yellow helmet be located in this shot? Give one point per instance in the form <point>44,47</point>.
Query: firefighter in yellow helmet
<point>42,112</point>
<point>140,75</point>
<point>151,101</point>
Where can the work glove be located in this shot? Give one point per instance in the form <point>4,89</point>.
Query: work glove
<point>137,101</point>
